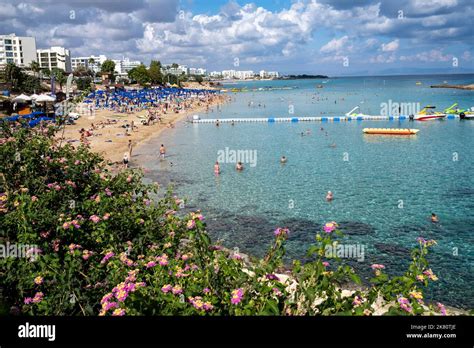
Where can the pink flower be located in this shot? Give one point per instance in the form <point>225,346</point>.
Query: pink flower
<point>118,312</point>
<point>66,225</point>
<point>121,295</point>
<point>325,264</point>
<point>191,224</point>
<point>166,288</point>
<point>329,227</point>
<point>284,232</point>
<point>357,301</point>
<point>109,305</point>
<point>429,273</point>
<point>86,254</point>
<point>151,264</point>
<point>441,308</point>
<point>34,198</point>
<point>277,292</point>
<point>38,280</point>
<point>55,244</point>
<point>405,304</point>
<point>237,296</point>
<point>94,218</point>
<point>272,277</point>
<point>129,179</point>
<point>38,297</point>
<point>106,298</point>
<point>377,266</point>
<point>28,300</point>
<point>206,290</point>
<point>163,260</point>
<point>106,216</point>
<point>107,257</point>
<point>77,162</point>
<point>73,247</point>
<point>177,290</point>
<point>108,192</point>
<point>146,201</point>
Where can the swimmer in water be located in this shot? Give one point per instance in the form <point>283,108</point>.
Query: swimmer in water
<point>283,159</point>
<point>239,167</point>
<point>162,151</point>
<point>322,128</point>
<point>332,145</point>
<point>217,169</point>
<point>434,218</point>
<point>329,196</point>
<point>217,123</point>
<point>232,123</point>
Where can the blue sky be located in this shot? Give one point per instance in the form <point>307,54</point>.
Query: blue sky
<point>334,37</point>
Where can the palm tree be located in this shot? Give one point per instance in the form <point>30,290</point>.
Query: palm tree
<point>35,67</point>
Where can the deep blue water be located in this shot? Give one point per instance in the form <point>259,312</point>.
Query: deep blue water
<point>385,187</point>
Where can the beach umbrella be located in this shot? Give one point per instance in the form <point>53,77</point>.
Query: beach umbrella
<point>28,116</point>
<point>43,98</point>
<point>12,118</point>
<point>21,98</point>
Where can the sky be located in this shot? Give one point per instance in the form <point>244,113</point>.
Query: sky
<point>331,37</point>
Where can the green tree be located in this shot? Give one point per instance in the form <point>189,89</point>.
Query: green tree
<point>154,72</point>
<point>30,84</point>
<point>59,76</point>
<point>13,75</point>
<point>139,74</point>
<point>35,67</point>
<point>80,71</point>
<point>46,72</point>
<point>198,78</point>
<point>84,83</point>
<point>108,67</point>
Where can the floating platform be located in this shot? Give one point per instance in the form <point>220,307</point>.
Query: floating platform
<point>391,131</point>
<point>306,119</point>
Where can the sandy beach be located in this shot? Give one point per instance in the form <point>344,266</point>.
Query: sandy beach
<point>108,132</point>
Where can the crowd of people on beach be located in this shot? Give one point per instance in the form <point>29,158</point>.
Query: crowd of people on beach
<point>155,100</point>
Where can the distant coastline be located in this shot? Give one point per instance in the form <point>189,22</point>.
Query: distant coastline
<point>303,77</point>
<point>469,87</point>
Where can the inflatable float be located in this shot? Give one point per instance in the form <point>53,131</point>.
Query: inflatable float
<point>391,131</point>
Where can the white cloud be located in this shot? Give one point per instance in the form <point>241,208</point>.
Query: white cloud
<point>391,46</point>
<point>335,45</point>
<point>434,55</point>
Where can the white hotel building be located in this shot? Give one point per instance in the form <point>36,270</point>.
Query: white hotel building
<point>85,62</point>
<point>54,57</point>
<point>20,50</point>
<point>123,66</point>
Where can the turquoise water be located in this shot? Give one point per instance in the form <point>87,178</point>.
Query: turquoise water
<point>385,188</point>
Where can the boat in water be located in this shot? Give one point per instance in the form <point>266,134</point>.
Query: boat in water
<point>428,114</point>
<point>353,113</point>
<point>391,131</point>
<point>464,114</point>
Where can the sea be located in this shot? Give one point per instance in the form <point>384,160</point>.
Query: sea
<point>385,188</point>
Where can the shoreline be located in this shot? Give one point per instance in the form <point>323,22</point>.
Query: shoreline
<point>110,141</point>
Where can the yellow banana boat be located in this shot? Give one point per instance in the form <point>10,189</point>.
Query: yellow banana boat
<point>391,131</point>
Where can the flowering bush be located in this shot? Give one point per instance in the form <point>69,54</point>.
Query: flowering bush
<point>107,248</point>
